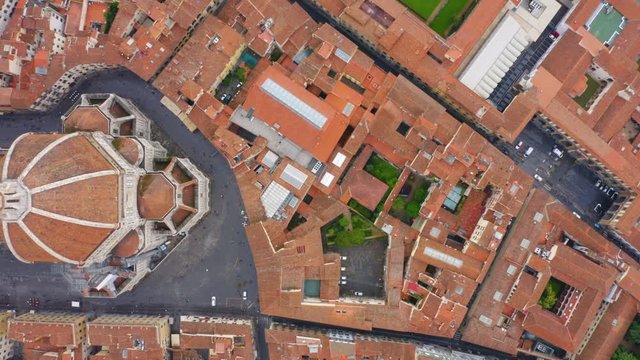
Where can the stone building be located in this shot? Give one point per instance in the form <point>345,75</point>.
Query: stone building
<point>102,199</point>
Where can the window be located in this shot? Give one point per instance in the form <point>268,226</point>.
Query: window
<point>307,199</point>
<point>425,285</point>
<point>403,128</point>
<point>432,270</point>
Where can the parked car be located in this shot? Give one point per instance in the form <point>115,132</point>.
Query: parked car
<point>598,208</point>
<point>598,183</point>
<point>611,191</point>
<point>559,153</point>
<point>358,293</point>
<point>529,151</point>
<point>519,145</point>
<point>213,301</point>
<point>244,295</point>
<point>537,177</point>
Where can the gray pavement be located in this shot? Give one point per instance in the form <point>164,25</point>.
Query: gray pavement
<point>568,180</point>
<point>363,269</point>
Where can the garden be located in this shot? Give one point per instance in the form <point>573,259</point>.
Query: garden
<point>443,16</point>
<point>629,349</point>
<point>551,294</point>
<point>586,98</point>
<point>406,206</point>
<point>110,15</point>
<point>384,171</point>
<point>350,229</point>
<point>422,8</point>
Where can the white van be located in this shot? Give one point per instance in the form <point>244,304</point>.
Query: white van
<point>558,152</point>
<point>529,151</point>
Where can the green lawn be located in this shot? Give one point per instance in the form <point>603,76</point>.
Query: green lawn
<point>448,16</point>
<point>422,8</point>
<point>592,87</point>
<point>382,170</point>
<point>349,230</point>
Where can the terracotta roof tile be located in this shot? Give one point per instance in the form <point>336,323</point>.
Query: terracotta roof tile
<point>73,241</point>
<point>88,118</point>
<point>155,196</point>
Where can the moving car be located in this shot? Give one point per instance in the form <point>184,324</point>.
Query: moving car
<point>518,145</point>
<point>537,177</point>
<point>213,301</point>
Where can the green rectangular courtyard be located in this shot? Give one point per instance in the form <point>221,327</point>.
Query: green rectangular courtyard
<point>449,16</point>
<point>422,8</point>
<point>607,24</point>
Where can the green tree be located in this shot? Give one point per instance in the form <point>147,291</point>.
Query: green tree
<point>420,194</point>
<point>343,222</point>
<point>622,354</point>
<point>549,298</point>
<point>241,74</point>
<point>633,334</point>
<point>110,15</point>
<point>413,209</point>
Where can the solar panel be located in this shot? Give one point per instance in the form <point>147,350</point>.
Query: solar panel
<point>342,55</point>
<point>293,103</point>
<point>446,258</point>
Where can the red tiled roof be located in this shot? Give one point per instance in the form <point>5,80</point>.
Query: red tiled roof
<point>318,141</point>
